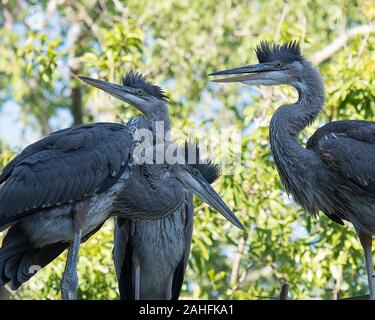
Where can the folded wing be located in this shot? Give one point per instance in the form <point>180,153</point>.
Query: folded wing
<point>66,166</point>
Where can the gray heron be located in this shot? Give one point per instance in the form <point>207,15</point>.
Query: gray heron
<point>151,256</point>
<point>61,189</point>
<point>335,173</point>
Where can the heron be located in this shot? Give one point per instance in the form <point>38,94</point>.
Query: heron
<point>151,256</point>
<point>148,98</point>
<point>61,189</point>
<point>335,173</point>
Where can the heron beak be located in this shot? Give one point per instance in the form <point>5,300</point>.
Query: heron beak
<point>118,91</point>
<point>256,74</point>
<point>202,189</point>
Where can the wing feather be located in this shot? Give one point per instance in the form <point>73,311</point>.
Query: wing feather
<point>348,147</point>
<point>66,165</point>
<point>351,158</point>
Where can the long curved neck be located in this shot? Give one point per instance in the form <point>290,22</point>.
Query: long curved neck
<point>158,122</point>
<point>288,121</point>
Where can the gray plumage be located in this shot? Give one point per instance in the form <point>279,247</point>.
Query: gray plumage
<point>137,80</point>
<point>43,184</point>
<point>286,52</point>
<point>93,165</point>
<point>61,189</point>
<point>151,256</point>
<point>335,172</point>
<point>158,250</point>
<point>67,165</point>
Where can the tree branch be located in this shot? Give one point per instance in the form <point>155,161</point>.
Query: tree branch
<point>237,261</point>
<point>8,18</point>
<point>328,51</point>
<point>279,26</point>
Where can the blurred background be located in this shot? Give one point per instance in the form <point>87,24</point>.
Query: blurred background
<point>176,44</point>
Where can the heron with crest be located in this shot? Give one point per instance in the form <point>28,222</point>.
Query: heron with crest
<point>151,256</point>
<point>335,172</point>
<point>61,189</point>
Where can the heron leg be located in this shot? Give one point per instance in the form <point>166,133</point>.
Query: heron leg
<point>168,295</point>
<point>366,242</point>
<point>137,280</point>
<point>69,282</point>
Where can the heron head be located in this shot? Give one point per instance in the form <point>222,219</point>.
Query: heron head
<point>278,64</point>
<point>192,177</point>
<point>135,90</point>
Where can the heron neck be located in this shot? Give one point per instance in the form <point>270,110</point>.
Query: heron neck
<point>286,124</point>
<point>160,123</point>
<point>289,120</point>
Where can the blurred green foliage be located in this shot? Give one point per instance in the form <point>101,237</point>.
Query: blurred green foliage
<point>176,43</point>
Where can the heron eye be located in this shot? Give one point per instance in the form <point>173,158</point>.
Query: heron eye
<point>140,92</point>
<point>195,172</point>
